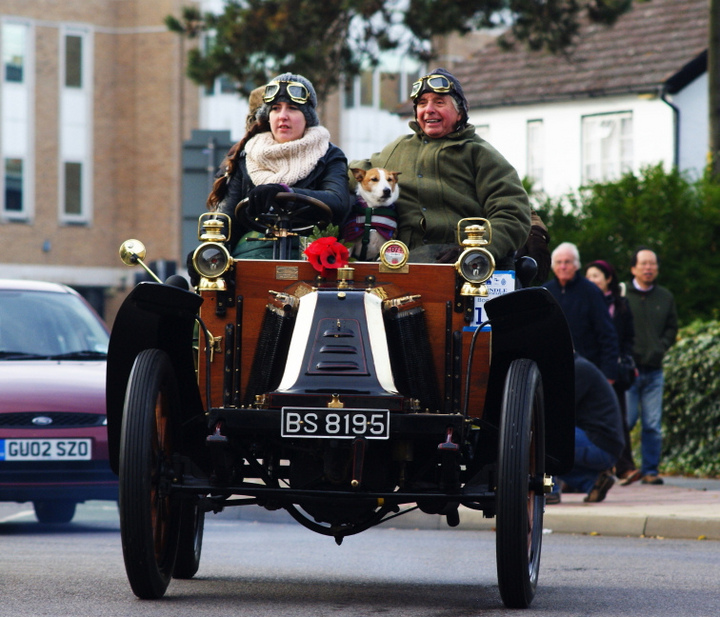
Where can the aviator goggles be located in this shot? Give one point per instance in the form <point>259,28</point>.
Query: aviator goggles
<point>436,83</point>
<point>296,91</point>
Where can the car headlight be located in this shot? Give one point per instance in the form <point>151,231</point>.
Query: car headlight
<point>475,265</point>
<point>211,260</point>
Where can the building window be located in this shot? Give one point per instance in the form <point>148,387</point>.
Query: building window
<point>13,52</point>
<point>13,185</point>
<point>227,85</point>
<point>16,114</point>
<point>607,146</point>
<point>349,93</point>
<point>75,126</point>
<point>73,62</point>
<point>380,89</point>
<point>535,152</point>
<point>73,189</point>
<point>367,89</point>
<point>390,94</point>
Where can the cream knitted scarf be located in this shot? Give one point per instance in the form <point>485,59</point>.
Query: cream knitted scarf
<point>269,162</point>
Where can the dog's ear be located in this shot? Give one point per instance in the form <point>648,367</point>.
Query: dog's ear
<point>358,173</point>
<point>394,174</point>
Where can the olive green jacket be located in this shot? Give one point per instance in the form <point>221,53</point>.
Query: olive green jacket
<point>457,176</point>
<point>656,324</point>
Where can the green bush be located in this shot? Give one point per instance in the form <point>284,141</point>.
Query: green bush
<point>691,406</point>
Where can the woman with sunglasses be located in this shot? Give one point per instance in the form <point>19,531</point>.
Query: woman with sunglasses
<point>447,172</point>
<point>284,150</point>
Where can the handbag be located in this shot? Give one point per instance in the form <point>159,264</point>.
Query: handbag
<point>627,371</point>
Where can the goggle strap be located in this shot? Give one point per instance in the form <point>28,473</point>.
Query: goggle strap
<point>301,94</point>
<point>443,87</point>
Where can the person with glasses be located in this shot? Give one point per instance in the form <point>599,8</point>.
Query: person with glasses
<point>656,328</point>
<point>448,172</point>
<point>285,149</point>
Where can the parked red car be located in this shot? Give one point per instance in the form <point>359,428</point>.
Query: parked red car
<point>53,429</point>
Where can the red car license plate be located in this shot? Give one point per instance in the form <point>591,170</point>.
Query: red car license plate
<point>45,449</point>
<point>323,423</point>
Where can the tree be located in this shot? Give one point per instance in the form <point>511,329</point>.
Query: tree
<point>251,40</point>
<point>255,39</point>
<point>713,67</point>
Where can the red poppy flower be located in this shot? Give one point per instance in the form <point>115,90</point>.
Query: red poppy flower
<point>325,254</point>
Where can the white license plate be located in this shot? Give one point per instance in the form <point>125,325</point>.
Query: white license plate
<point>320,422</point>
<point>45,449</point>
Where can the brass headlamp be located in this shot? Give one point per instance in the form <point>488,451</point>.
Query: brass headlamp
<point>475,264</point>
<point>212,259</point>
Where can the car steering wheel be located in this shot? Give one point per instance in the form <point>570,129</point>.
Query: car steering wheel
<point>292,213</point>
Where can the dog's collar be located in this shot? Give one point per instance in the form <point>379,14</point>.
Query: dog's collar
<point>361,207</point>
<point>382,219</point>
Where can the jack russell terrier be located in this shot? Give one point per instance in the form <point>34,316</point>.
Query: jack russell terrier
<point>374,221</point>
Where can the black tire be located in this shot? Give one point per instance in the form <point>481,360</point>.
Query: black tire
<point>192,524</point>
<point>520,496</point>
<point>55,511</point>
<point>149,517</point>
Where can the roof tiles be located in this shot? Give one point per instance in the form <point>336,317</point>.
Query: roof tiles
<point>646,48</point>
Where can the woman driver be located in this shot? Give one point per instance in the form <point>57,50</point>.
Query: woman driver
<point>285,151</point>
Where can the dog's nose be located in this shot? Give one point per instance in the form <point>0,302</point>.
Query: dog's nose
<point>386,192</point>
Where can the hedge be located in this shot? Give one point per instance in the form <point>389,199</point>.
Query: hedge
<point>691,412</point>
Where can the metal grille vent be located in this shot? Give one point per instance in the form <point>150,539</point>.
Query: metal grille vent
<point>59,420</point>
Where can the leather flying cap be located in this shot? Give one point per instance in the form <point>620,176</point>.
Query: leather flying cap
<point>293,89</point>
<point>441,81</point>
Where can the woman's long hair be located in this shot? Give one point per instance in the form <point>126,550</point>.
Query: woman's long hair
<point>614,285</point>
<point>230,163</point>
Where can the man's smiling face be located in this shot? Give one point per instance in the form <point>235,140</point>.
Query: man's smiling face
<point>437,114</point>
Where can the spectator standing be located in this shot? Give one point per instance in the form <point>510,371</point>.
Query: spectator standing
<point>656,326</point>
<point>593,333</point>
<point>603,275</point>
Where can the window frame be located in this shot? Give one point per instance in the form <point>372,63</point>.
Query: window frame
<point>606,158</point>
<point>535,152</point>
<point>17,125</point>
<point>75,127</point>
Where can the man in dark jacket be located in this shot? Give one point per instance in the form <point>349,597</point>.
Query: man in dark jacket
<point>599,437</point>
<point>593,333</point>
<point>656,327</point>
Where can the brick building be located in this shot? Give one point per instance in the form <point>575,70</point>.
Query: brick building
<point>94,109</point>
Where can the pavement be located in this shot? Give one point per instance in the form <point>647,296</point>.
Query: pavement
<point>681,508</point>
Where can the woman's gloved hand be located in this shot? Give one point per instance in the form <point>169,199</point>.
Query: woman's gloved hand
<point>262,198</point>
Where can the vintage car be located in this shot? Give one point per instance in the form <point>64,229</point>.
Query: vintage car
<point>345,396</point>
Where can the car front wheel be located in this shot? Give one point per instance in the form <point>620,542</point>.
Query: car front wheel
<point>56,511</point>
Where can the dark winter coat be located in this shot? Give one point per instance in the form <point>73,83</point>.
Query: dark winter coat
<point>597,411</point>
<point>656,324</point>
<point>593,333</point>
<point>328,182</point>
<point>624,323</point>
